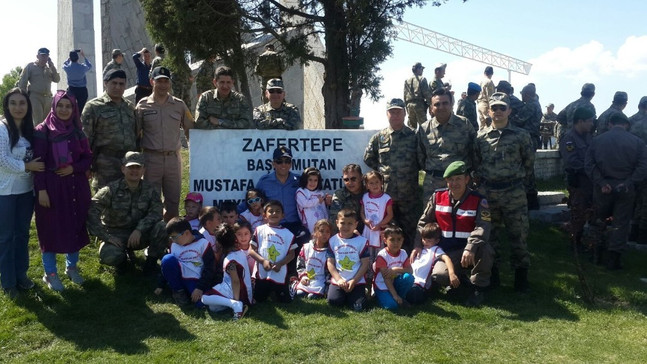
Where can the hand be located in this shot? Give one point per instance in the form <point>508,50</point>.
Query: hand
<point>454,281</point>
<point>81,53</point>
<point>196,295</point>
<point>35,166</point>
<point>467,260</point>
<point>350,285</point>
<point>133,239</point>
<point>305,281</point>
<point>276,267</point>
<point>65,171</point>
<point>267,265</point>
<point>43,198</point>
<point>341,283</point>
<point>606,189</point>
<point>49,61</point>
<point>214,120</point>
<point>414,254</point>
<point>397,299</point>
<point>142,51</point>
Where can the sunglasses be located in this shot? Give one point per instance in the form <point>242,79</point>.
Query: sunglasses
<point>351,179</point>
<point>253,200</point>
<point>498,108</point>
<point>275,91</point>
<point>283,161</point>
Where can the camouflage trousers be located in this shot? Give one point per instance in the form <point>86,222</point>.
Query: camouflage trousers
<point>106,168</point>
<point>431,184</point>
<point>509,209</point>
<point>479,274</point>
<point>619,205</point>
<point>155,239</point>
<point>406,215</point>
<point>417,114</point>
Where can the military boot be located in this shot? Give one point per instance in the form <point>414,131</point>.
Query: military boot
<point>521,280</point>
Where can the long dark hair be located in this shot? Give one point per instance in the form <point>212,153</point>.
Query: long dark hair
<point>27,125</point>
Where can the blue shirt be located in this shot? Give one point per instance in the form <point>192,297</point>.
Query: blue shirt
<point>142,71</point>
<point>76,72</point>
<point>284,192</point>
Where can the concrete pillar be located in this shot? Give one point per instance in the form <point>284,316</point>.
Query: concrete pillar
<point>76,31</point>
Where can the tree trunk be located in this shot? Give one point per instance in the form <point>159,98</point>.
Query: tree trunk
<point>335,89</point>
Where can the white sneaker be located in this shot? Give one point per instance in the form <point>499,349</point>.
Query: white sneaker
<point>73,274</point>
<point>53,282</point>
<point>239,311</point>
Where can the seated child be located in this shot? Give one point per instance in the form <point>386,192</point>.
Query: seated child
<point>376,212</point>
<point>183,267</point>
<point>235,291</point>
<point>311,201</point>
<point>243,236</point>
<point>229,212</point>
<point>347,263</point>
<point>273,248</point>
<point>311,263</point>
<point>209,223</point>
<point>192,206</point>
<point>254,200</point>
<point>392,270</point>
<point>424,264</point>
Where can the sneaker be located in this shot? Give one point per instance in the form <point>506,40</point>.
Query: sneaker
<point>239,314</point>
<point>357,307</point>
<point>25,283</point>
<point>181,298</point>
<point>53,282</point>
<point>294,282</point>
<point>73,274</point>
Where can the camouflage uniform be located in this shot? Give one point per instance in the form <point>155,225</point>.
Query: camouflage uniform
<point>504,160</point>
<point>437,84</point>
<point>515,105</point>
<point>234,111</point>
<point>269,66</point>
<point>343,199</point>
<point>157,62</point>
<point>112,65</point>
<point>529,118</point>
<point>204,78</point>
<point>565,117</point>
<point>467,109</point>
<point>286,117</point>
<point>547,128</point>
<point>181,83</point>
<point>116,211</point>
<point>112,131</point>
<point>439,145</point>
<point>417,96</point>
<point>601,125</point>
<point>394,154</point>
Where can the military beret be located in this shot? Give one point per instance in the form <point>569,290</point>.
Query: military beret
<point>455,169</point>
<point>618,118</point>
<point>499,98</point>
<point>643,101</point>
<point>114,73</point>
<point>395,104</point>
<point>133,158</point>
<point>620,97</point>
<point>473,87</point>
<point>583,113</point>
<point>275,83</point>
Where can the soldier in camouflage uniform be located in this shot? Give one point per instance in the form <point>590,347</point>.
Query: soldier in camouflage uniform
<point>222,107</point>
<point>126,215</point>
<point>393,152</point>
<point>515,103</point>
<point>487,89</point>
<point>277,114</point>
<point>444,139</point>
<point>117,60</point>
<point>619,103</point>
<point>204,78</point>
<point>439,72</point>
<point>269,65</point>
<point>639,128</point>
<point>348,197</point>
<point>417,96</point>
<point>529,119</point>
<point>565,117</point>
<point>109,123</point>
<point>504,159</point>
<point>160,51</point>
<point>467,108</point>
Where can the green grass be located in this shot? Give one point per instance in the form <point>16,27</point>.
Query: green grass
<point>119,319</point>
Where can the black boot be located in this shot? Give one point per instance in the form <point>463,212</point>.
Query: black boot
<point>613,260</point>
<point>521,280</point>
<point>495,280</point>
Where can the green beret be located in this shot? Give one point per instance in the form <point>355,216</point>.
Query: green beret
<point>583,113</point>
<point>455,169</point>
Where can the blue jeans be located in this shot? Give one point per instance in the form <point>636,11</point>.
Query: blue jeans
<point>15,217</point>
<point>402,285</point>
<point>49,261</point>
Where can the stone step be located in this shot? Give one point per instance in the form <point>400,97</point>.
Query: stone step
<point>555,213</point>
<point>550,197</point>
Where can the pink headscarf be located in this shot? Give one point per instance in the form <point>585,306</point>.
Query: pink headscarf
<point>58,131</point>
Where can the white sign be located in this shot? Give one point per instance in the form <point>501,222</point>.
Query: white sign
<point>226,163</point>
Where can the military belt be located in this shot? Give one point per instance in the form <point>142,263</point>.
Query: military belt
<point>160,152</point>
<point>502,185</point>
<point>434,173</point>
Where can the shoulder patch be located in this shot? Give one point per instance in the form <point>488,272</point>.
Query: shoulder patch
<point>484,204</point>
<point>485,215</point>
<point>570,146</point>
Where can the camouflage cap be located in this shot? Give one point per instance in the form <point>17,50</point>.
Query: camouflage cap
<point>274,84</point>
<point>499,98</point>
<point>455,169</point>
<point>395,104</point>
<point>588,87</point>
<point>133,159</point>
<point>620,97</point>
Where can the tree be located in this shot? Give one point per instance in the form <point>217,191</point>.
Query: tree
<point>8,82</point>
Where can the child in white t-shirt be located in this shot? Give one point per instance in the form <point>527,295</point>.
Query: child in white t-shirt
<point>311,263</point>
<point>311,200</point>
<point>254,199</point>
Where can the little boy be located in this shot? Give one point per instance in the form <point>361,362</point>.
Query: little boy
<point>229,212</point>
<point>347,261</point>
<point>184,267</point>
<point>192,206</point>
<point>392,270</point>
<point>273,247</point>
<point>424,264</point>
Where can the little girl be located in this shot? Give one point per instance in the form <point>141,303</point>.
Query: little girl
<point>254,199</point>
<point>311,201</point>
<point>243,231</point>
<point>235,291</point>
<point>311,263</point>
<point>376,212</point>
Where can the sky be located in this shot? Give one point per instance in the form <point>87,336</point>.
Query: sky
<point>568,43</point>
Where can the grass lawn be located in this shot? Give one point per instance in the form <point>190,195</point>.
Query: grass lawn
<point>118,319</point>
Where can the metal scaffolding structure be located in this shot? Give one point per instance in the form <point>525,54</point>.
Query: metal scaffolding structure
<point>428,38</point>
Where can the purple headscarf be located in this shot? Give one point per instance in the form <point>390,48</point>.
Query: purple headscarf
<point>58,130</point>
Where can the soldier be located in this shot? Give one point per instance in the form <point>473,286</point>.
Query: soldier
<point>36,79</point>
<point>277,114</point>
<point>504,159</point>
<point>565,117</point>
<point>515,103</point>
<point>109,123</point>
<point>547,128</point>
<point>223,108</point>
<point>487,89</point>
<point>161,117</point>
<point>529,119</point>
<point>117,60</point>
<point>144,87</point>
<point>204,78</point>
<point>160,52</point>
<point>619,103</point>
<point>467,108</point>
<point>126,215</point>
<point>269,65</point>
<point>573,147</point>
<point>393,152</point>
<point>616,162</point>
<point>417,95</point>
<point>439,73</point>
<point>444,139</point>
<point>348,197</point>
<point>639,128</point>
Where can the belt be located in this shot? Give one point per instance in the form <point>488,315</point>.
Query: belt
<point>502,185</point>
<point>434,173</point>
<point>161,152</point>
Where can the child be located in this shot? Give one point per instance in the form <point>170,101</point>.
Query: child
<point>235,291</point>
<point>192,206</point>
<point>311,264</point>
<point>229,212</point>
<point>243,233</point>
<point>424,264</point>
<point>183,267</point>
<point>273,247</point>
<point>347,263</point>
<point>209,222</point>
<point>376,212</point>
<point>392,270</point>
<point>311,201</point>
<point>254,199</point>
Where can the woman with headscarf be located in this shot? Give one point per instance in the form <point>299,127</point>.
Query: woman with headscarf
<point>16,190</point>
<point>62,190</point>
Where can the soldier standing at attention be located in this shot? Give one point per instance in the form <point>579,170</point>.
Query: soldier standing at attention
<point>393,152</point>
<point>504,159</point>
<point>117,60</point>
<point>36,80</point>
<point>277,114</point>
<point>144,87</point>
<point>417,96</point>
<point>565,117</point>
<point>269,65</point>
<point>204,78</point>
<point>487,89</point>
<point>444,139</point>
<point>109,123</point>
<point>467,108</point>
<point>619,103</point>
<point>439,73</point>
<point>161,117</point>
<point>616,162</point>
<point>223,108</point>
